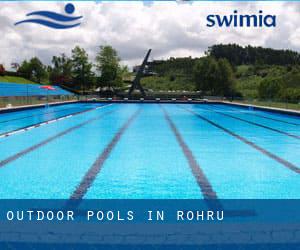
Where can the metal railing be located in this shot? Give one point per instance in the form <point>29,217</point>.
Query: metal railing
<point>274,103</point>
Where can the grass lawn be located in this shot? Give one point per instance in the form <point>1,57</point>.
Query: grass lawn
<point>15,79</point>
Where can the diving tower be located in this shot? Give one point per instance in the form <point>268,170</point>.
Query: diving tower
<point>136,82</point>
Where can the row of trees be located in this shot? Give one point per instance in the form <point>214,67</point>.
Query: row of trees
<point>217,73</point>
<point>77,71</point>
<point>238,55</point>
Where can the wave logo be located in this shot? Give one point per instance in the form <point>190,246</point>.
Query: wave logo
<point>54,20</point>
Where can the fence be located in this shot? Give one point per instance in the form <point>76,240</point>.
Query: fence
<point>287,104</point>
<point>14,94</point>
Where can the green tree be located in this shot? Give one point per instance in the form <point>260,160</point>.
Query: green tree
<point>224,83</point>
<point>25,69</point>
<point>38,70</point>
<point>81,69</point>
<point>205,74</point>
<point>270,88</point>
<point>61,71</point>
<point>213,76</point>
<point>33,70</point>
<point>108,65</point>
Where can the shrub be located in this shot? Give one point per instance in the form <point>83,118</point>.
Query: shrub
<point>269,88</point>
<point>172,78</point>
<point>290,95</point>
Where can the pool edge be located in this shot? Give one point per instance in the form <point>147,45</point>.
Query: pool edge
<point>242,105</point>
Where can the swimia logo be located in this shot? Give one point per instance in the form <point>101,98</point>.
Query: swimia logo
<point>239,20</point>
<point>54,20</point>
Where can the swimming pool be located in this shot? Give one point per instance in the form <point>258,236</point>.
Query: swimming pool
<point>172,151</point>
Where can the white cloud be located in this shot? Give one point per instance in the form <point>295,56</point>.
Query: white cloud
<point>170,29</point>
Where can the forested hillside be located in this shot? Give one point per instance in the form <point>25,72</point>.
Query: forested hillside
<point>232,70</point>
<point>238,55</point>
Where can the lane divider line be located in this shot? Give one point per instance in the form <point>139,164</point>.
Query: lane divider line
<point>262,116</point>
<point>94,170</point>
<point>13,132</point>
<point>50,139</point>
<point>280,160</point>
<point>205,186</point>
<point>256,124</point>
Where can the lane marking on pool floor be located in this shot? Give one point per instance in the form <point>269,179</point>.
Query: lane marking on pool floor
<point>280,160</point>
<point>256,124</point>
<point>262,116</point>
<point>50,139</point>
<point>273,119</point>
<point>27,128</point>
<point>94,170</point>
<point>205,186</point>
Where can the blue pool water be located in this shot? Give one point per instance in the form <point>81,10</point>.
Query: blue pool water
<point>149,151</point>
<point>17,120</point>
